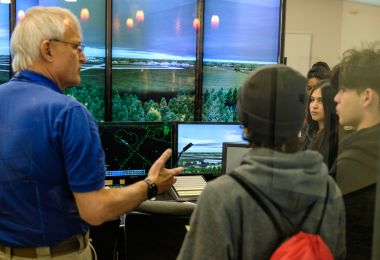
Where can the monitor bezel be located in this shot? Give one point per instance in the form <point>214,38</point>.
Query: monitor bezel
<point>175,143</point>
<point>225,147</point>
<point>133,178</point>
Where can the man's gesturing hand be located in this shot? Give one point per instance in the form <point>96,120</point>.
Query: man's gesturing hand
<point>161,176</point>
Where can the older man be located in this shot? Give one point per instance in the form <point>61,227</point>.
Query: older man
<point>51,160</point>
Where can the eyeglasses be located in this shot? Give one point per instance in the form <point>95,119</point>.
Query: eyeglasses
<point>80,47</point>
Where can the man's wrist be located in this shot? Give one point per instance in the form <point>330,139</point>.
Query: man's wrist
<point>152,188</point>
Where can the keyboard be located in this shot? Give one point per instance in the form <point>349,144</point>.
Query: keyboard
<point>188,188</point>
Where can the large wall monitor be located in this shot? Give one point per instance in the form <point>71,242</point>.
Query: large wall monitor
<point>92,18</point>
<point>154,52</point>
<point>153,59</point>
<point>131,148</point>
<point>4,43</point>
<point>205,155</point>
<point>232,155</point>
<point>239,37</point>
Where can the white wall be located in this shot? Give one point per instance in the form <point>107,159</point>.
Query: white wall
<point>361,25</point>
<point>335,26</point>
<point>323,20</point>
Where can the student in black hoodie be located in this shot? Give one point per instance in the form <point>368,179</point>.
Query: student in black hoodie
<point>358,105</point>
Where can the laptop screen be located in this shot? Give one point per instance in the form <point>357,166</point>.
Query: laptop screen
<point>204,156</point>
<point>232,155</point>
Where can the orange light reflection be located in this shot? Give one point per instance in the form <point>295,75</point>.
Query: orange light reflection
<point>196,24</point>
<point>140,16</point>
<point>215,21</point>
<point>84,14</point>
<point>129,23</point>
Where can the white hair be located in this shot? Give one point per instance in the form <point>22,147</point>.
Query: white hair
<point>39,24</point>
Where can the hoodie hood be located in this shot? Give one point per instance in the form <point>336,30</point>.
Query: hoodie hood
<point>357,163</point>
<point>301,176</point>
<point>362,147</point>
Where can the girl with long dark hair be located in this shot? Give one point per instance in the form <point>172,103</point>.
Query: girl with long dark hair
<point>323,124</point>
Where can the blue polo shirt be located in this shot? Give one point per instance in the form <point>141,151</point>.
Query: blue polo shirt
<point>49,148</point>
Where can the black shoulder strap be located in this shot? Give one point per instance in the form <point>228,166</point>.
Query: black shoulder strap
<point>324,208</point>
<point>255,194</point>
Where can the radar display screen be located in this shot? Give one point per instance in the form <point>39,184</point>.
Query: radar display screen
<point>131,148</point>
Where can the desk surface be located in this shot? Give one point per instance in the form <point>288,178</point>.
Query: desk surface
<point>165,204</point>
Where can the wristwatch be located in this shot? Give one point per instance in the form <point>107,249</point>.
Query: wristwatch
<point>152,188</point>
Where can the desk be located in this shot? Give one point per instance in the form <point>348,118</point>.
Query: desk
<point>155,230</point>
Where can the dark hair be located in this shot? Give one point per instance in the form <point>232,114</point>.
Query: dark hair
<point>334,76</point>
<point>319,70</point>
<point>331,121</point>
<point>321,64</point>
<point>360,69</point>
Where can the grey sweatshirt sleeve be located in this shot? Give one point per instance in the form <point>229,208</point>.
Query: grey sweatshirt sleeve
<point>209,236</point>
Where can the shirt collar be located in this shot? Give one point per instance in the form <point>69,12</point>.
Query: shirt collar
<point>32,76</point>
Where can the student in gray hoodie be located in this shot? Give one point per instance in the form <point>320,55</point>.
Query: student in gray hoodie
<point>227,223</point>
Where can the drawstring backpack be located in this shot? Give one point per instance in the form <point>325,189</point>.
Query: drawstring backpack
<point>298,245</point>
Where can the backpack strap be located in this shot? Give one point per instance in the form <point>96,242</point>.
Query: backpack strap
<point>324,208</point>
<point>256,194</point>
<point>322,214</point>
